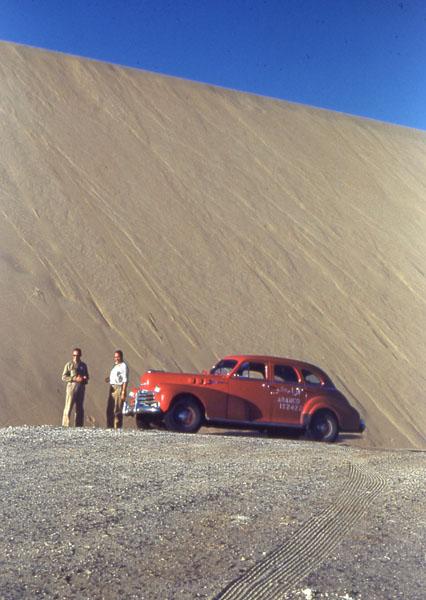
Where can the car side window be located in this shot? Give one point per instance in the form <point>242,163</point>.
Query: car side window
<point>285,373</point>
<point>251,370</point>
<point>311,378</point>
<point>223,367</point>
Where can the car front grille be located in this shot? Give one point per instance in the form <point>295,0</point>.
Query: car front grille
<point>145,396</point>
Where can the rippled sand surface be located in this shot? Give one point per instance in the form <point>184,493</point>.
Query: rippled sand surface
<point>182,222</point>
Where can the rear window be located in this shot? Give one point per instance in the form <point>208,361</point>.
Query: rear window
<point>285,373</point>
<point>252,370</point>
<point>311,378</point>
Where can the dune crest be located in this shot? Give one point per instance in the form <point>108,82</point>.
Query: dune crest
<point>181,222</point>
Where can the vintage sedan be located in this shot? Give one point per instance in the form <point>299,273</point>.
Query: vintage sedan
<point>245,391</point>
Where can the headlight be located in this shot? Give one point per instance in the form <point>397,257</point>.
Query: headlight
<point>157,389</point>
<point>131,394</point>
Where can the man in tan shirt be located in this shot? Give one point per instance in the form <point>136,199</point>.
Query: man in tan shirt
<point>76,376</point>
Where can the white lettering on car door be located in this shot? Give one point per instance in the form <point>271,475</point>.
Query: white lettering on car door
<point>289,398</point>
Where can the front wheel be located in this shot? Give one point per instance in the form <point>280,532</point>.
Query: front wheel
<point>324,426</point>
<point>184,415</point>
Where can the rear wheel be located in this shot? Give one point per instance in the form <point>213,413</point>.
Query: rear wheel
<point>185,415</point>
<point>324,426</point>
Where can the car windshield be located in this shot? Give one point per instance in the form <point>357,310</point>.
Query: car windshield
<point>223,367</point>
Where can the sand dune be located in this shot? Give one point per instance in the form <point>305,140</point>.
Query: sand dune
<point>181,222</point>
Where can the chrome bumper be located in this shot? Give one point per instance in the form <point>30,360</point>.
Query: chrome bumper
<point>143,403</point>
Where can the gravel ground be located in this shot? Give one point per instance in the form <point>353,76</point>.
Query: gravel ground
<point>91,513</point>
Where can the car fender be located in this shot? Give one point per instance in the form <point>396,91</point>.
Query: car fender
<point>170,393</point>
<point>186,394</point>
<point>166,395</point>
<point>314,405</point>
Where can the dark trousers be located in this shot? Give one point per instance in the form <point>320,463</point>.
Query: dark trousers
<point>115,407</point>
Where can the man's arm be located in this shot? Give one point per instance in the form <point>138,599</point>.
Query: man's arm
<point>126,379</point>
<point>66,375</point>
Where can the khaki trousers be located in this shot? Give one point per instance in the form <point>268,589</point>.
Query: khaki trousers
<point>115,407</point>
<point>74,398</point>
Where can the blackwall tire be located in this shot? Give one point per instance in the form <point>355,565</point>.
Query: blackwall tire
<point>185,416</point>
<point>324,427</point>
<point>142,422</point>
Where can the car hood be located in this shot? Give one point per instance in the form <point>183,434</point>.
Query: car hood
<point>151,378</point>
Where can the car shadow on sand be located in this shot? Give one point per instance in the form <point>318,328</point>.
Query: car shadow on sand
<point>344,438</point>
<point>253,433</point>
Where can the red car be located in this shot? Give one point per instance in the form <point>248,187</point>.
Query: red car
<point>245,391</point>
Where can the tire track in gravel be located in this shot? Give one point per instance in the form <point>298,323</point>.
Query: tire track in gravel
<point>277,574</point>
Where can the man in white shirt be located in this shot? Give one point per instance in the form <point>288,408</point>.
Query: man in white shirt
<point>118,380</point>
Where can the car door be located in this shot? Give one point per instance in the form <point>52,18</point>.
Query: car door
<point>287,393</point>
<point>249,398</point>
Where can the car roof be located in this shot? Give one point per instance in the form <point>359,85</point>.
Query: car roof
<point>299,364</point>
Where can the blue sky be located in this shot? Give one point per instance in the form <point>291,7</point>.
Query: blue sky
<point>362,57</point>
